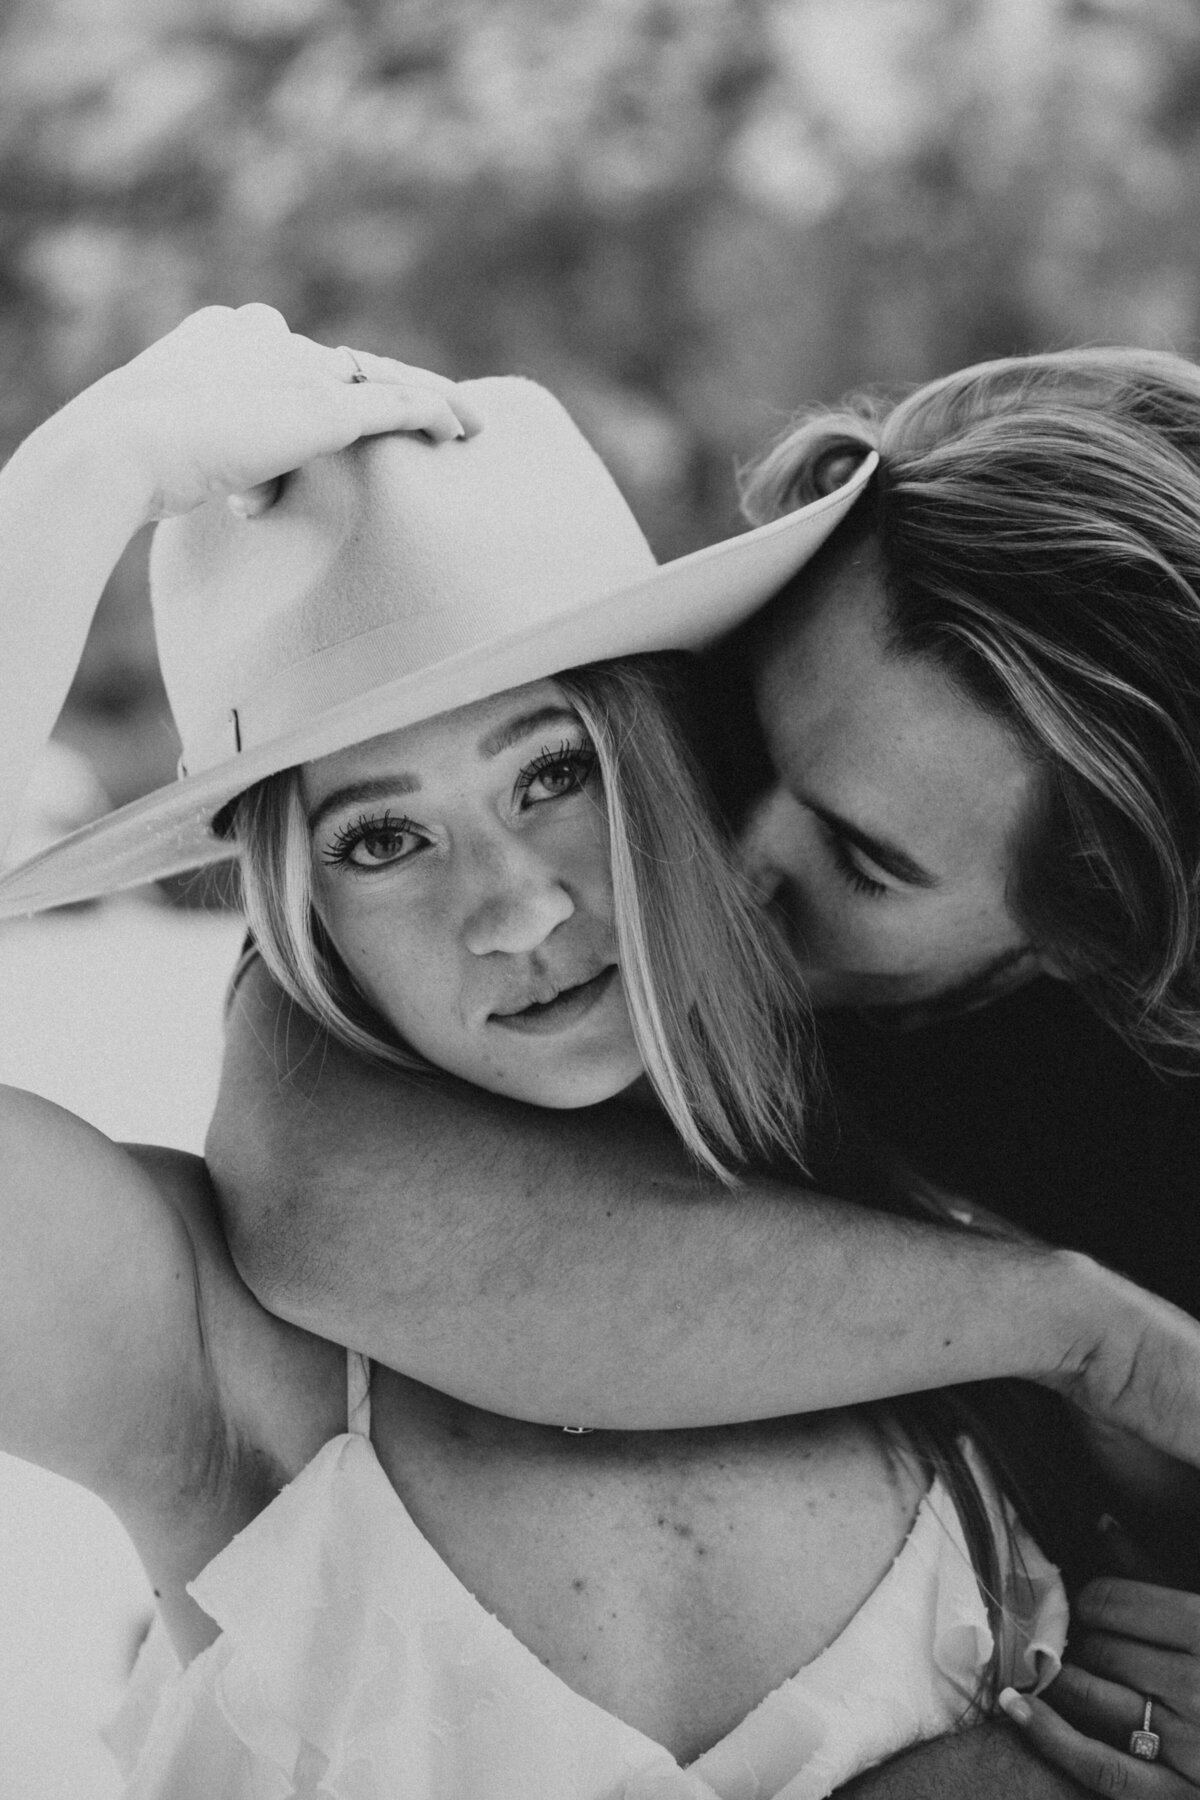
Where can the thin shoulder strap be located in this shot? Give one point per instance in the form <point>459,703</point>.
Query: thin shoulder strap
<point>358,1394</point>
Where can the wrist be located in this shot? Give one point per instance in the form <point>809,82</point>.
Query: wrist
<point>74,461</point>
<point>1079,1305</point>
<point>92,442</point>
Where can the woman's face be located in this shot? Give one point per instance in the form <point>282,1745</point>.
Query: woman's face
<point>461,867</point>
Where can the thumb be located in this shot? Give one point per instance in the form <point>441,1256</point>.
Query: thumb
<point>252,502</point>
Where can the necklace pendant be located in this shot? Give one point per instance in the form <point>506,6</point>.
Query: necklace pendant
<point>579,1430</point>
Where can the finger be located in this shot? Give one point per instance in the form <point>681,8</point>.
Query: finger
<point>1136,1609</point>
<point>400,374</point>
<point>1093,1764</point>
<point>389,371</point>
<point>1112,1713</point>
<point>1169,1675</point>
<point>380,408</point>
<point>1098,1708</point>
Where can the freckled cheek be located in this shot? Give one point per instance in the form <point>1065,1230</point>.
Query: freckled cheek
<point>585,869</point>
<point>405,964</point>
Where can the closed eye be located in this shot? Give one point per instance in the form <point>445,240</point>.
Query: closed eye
<point>850,871</point>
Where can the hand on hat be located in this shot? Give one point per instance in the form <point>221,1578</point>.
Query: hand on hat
<point>231,399</point>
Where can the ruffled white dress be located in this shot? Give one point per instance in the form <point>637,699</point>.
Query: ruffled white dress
<point>354,1665</point>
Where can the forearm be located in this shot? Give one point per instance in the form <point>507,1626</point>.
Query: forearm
<point>987,1762</point>
<point>68,507</point>
<point>551,1266</point>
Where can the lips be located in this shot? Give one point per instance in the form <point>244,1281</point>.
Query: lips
<point>562,1008</point>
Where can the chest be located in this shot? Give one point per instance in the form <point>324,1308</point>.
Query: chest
<point>673,1578</point>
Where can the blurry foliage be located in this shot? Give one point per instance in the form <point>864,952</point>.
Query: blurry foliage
<point>685,216</point>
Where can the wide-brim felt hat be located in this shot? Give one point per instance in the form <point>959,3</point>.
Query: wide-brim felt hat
<point>389,583</point>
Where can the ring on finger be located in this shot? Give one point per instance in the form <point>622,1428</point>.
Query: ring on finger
<point>357,372</point>
<point>1144,1743</point>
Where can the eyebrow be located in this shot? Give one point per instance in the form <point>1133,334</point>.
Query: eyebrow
<point>882,851</point>
<point>524,725</point>
<point>384,787</point>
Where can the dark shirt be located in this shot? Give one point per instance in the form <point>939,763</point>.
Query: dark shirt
<point>1039,1111</point>
<point>1035,1108</point>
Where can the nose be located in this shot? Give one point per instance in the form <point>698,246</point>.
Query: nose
<point>519,900</point>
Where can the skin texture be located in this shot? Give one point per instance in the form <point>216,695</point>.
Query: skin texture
<point>866,763</point>
<point>1131,1639</point>
<point>196,1403</point>
<point>885,844</point>
<point>671,1580</point>
<point>664,1578</point>
<point>574,1265</point>
<point>990,1761</point>
<point>461,866</point>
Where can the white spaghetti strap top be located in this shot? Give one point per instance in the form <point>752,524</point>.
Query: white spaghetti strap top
<point>358,1394</point>
<point>352,1663</point>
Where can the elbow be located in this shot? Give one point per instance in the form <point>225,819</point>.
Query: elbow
<point>267,1248</point>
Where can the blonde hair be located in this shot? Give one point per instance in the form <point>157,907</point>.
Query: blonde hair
<point>1038,524</point>
<point>720,1019</point>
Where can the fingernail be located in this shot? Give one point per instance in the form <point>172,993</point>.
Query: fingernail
<point>1016,1708</point>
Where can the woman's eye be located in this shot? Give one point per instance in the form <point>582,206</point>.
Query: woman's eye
<point>557,773</point>
<point>374,843</point>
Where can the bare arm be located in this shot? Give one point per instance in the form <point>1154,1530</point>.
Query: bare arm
<point>572,1268</point>
<point>222,405</point>
<point>102,1372</point>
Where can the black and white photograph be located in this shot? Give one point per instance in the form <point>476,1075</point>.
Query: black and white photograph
<point>599,899</point>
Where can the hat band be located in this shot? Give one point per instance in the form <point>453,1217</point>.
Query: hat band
<point>297,696</point>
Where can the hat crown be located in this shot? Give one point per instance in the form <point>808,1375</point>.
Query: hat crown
<point>391,582</point>
<point>390,558</point>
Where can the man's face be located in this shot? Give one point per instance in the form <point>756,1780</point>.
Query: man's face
<point>886,845</point>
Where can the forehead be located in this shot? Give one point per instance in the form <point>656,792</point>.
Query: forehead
<point>470,733</point>
<point>888,742</point>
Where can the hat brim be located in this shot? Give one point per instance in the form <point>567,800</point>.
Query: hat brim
<point>682,605</point>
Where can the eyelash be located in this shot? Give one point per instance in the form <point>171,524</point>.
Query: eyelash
<point>581,759</point>
<point>850,871</point>
<point>340,852</point>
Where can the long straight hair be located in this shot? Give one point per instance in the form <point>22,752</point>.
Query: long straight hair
<point>722,1024</point>
<point>1037,521</point>
<point>719,1017</point>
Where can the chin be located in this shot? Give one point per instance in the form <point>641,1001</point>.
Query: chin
<point>558,1086</point>
<point>568,1096</point>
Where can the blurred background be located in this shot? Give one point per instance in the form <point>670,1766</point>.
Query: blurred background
<point>687,217</point>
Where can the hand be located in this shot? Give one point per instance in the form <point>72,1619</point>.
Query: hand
<point>1137,1642</point>
<point>230,400</point>
<point>1134,1363</point>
